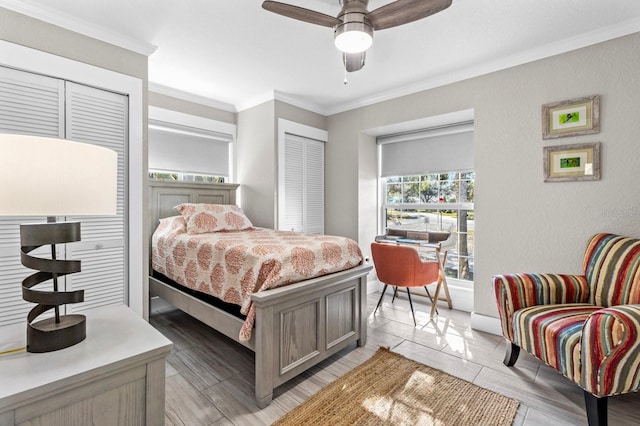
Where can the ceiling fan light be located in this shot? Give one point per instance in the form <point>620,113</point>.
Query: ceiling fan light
<point>353,37</point>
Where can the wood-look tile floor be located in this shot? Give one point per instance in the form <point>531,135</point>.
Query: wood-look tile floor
<point>210,378</point>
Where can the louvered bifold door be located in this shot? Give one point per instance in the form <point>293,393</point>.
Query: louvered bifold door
<point>100,117</point>
<point>314,187</point>
<point>292,217</point>
<point>29,104</point>
<point>303,189</point>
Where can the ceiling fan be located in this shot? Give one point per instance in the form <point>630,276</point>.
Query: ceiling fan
<point>354,25</point>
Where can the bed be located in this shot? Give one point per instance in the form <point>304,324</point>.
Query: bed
<point>296,326</point>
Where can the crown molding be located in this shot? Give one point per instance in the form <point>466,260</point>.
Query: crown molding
<point>80,26</point>
<point>291,100</point>
<point>255,100</point>
<point>190,97</point>
<point>558,47</point>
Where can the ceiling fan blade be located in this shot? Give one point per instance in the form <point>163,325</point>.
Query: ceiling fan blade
<point>353,61</point>
<point>300,13</point>
<point>404,11</point>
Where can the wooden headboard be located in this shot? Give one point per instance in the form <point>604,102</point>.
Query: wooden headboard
<point>165,195</point>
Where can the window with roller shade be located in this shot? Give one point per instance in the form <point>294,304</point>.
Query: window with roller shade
<point>427,181</point>
<point>180,152</point>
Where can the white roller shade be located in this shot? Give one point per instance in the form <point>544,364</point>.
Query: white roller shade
<point>185,149</point>
<point>445,149</point>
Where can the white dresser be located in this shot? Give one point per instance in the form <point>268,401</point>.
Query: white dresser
<point>115,376</point>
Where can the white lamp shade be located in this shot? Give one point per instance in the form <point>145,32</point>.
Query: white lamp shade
<point>55,177</point>
<point>353,41</point>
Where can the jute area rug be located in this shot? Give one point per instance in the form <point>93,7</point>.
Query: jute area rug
<point>393,390</point>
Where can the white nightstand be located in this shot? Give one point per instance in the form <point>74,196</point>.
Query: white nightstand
<point>115,376</point>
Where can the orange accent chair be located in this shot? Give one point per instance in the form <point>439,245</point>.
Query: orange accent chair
<point>401,266</point>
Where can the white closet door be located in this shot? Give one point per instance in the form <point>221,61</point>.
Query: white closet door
<point>314,187</point>
<point>29,104</point>
<point>100,118</point>
<point>303,188</point>
<point>293,185</point>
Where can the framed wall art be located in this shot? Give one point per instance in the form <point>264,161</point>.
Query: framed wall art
<point>571,118</point>
<point>572,162</point>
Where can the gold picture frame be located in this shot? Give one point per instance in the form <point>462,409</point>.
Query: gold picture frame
<point>573,117</point>
<point>574,162</point>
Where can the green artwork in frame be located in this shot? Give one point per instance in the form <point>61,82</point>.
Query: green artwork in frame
<point>569,162</point>
<point>572,162</point>
<point>570,117</point>
<point>573,117</point>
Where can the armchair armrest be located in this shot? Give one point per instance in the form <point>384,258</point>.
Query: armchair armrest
<point>517,291</point>
<point>610,351</point>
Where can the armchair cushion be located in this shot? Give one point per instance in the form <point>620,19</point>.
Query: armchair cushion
<point>553,333</point>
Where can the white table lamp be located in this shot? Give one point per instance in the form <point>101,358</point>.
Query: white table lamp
<point>53,177</point>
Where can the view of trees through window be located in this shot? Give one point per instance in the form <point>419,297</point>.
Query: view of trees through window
<point>160,175</point>
<point>435,202</point>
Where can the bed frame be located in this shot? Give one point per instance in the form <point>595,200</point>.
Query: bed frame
<point>296,327</point>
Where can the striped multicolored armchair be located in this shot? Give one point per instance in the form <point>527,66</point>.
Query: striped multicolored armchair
<point>585,326</point>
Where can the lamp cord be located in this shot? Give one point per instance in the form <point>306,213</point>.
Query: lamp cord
<point>10,351</point>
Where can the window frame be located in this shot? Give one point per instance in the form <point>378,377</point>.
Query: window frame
<point>437,206</point>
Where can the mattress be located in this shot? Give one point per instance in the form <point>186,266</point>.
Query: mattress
<point>232,265</point>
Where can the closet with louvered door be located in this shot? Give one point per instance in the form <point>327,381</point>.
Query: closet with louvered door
<point>46,106</point>
<point>99,117</point>
<point>302,189</point>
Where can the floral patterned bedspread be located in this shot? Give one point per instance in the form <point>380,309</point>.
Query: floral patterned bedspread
<point>233,265</point>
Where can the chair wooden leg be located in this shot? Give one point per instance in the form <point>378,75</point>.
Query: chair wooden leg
<point>596,409</point>
<point>511,355</point>
<point>411,304</point>
<point>443,277</point>
<point>431,299</point>
<point>384,290</point>
<point>434,310</point>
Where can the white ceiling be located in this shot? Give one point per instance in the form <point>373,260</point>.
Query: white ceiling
<point>238,55</point>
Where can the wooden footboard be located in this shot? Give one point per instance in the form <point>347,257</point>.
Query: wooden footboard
<point>297,326</point>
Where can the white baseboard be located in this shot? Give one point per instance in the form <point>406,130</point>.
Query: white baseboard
<point>486,323</point>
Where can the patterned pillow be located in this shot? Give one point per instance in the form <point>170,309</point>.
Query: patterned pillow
<point>173,223</point>
<point>202,218</point>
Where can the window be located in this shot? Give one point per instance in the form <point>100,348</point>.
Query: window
<point>168,175</point>
<point>427,184</point>
<point>189,148</point>
<point>435,202</point>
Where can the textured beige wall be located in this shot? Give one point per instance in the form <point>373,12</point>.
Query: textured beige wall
<point>522,223</point>
<point>255,150</point>
<point>30,32</point>
<point>192,108</point>
<point>299,115</point>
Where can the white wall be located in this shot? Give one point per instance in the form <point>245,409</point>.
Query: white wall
<point>522,223</point>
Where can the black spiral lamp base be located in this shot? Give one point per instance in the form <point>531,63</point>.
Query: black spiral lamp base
<point>61,331</point>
